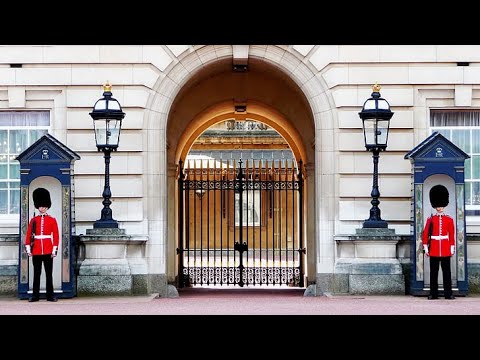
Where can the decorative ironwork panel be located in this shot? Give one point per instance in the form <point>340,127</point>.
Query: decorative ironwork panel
<point>65,233</point>
<point>24,226</point>
<point>419,231</point>
<point>460,191</point>
<point>231,276</point>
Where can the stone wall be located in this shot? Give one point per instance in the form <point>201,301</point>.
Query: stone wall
<point>8,264</point>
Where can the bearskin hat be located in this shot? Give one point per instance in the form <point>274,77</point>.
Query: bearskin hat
<point>41,198</point>
<point>438,196</point>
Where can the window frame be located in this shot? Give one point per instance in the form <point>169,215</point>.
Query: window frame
<point>10,157</point>
<point>470,209</point>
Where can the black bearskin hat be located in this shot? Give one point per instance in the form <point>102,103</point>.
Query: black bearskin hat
<point>438,196</point>
<point>41,198</point>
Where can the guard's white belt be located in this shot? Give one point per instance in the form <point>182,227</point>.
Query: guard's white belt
<point>50,236</point>
<point>440,237</point>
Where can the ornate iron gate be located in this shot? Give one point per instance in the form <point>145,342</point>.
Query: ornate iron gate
<point>240,225</point>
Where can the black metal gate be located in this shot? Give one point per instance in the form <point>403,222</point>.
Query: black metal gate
<point>240,224</point>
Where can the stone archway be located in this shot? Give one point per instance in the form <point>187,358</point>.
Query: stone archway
<point>286,84</point>
<point>255,111</point>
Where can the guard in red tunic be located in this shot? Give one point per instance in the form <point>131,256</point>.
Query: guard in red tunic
<point>439,242</point>
<point>44,244</point>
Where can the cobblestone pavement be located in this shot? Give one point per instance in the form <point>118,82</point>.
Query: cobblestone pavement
<point>244,301</point>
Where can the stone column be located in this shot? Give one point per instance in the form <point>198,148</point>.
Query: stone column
<point>473,262</point>
<point>8,264</point>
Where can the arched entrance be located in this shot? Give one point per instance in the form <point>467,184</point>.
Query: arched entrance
<point>241,201</point>
<point>272,97</point>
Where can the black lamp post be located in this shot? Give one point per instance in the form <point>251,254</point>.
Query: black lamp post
<point>107,118</point>
<point>376,117</point>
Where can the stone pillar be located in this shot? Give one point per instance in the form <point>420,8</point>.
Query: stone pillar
<point>473,262</point>
<point>8,264</point>
<point>367,263</point>
<point>114,263</point>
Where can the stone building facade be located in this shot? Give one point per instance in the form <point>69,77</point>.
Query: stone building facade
<point>310,94</point>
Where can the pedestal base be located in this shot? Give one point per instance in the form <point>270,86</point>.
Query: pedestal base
<point>113,264</point>
<point>370,276</point>
<point>368,264</point>
<point>104,277</point>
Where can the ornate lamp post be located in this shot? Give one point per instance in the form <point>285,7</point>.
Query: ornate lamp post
<point>107,118</point>
<point>376,117</point>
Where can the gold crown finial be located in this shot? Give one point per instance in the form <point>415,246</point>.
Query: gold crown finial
<point>376,87</point>
<point>107,87</point>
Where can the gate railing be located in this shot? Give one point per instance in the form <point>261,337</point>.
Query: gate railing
<point>240,225</point>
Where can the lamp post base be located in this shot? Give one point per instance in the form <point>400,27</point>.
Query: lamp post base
<point>103,224</point>
<point>369,224</point>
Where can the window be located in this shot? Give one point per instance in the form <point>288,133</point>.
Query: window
<point>18,130</point>
<point>462,127</point>
<point>251,208</point>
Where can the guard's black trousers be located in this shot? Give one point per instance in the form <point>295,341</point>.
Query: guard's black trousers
<point>47,261</point>
<point>435,263</point>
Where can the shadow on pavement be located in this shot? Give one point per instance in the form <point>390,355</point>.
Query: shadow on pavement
<point>244,292</point>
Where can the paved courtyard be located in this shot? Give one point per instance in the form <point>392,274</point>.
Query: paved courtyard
<point>244,301</point>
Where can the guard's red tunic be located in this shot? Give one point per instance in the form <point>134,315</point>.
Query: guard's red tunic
<point>46,234</point>
<point>443,235</point>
